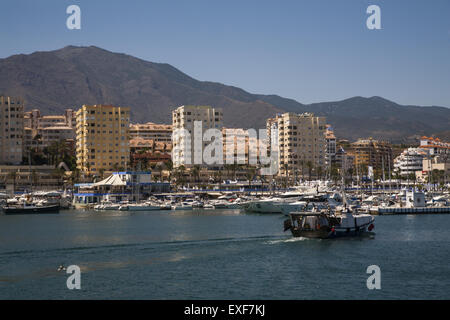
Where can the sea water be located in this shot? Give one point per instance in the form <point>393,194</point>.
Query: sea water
<point>217,254</point>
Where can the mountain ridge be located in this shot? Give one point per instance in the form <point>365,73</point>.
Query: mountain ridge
<point>69,77</point>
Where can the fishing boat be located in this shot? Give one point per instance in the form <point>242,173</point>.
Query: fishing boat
<point>27,208</point>
<point>328,224</point>
<point>341,221</point>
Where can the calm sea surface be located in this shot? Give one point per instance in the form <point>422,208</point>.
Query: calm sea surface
<point>217,254</point>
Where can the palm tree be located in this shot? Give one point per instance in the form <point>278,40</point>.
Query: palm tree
<point>159,169</point>
<point>286,174</point>
<point>74,177</point>
<point>310,166</point>
<point>218,178</point>
<point>180,175</point>
<point>59,174</point>
<point>13,175</point>
<point>88,167</point>
<point>263,180</point>
<point>302,163</point>
<point>250,176</point>
<point>101,172</point>
<point>169,167</point>
<point>196,172</point>
<point>227,167</point>
<point>319,172</point>
<point>34,177</point>
<point>334,173</point>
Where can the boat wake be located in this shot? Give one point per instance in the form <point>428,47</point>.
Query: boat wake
<point>297,239</point>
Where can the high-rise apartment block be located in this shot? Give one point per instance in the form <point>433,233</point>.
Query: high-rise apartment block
<point>301,141</point>
<point>331,145</point>
<point>11,130</point>
<point>183,136</point>
<point>102,141</point>
<point>371,152</point>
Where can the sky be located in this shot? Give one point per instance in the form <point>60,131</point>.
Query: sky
<point>307,50</point>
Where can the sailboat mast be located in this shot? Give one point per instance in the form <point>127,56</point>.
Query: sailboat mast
<point>382,165</point>
<point>29,170</point>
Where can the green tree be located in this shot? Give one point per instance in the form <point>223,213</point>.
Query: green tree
<point>196,173</point>
<point>310,167</point>
<point>320,172</point>
<point>13,175</point>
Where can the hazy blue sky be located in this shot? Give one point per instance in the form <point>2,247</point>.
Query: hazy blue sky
<point>307,50</point>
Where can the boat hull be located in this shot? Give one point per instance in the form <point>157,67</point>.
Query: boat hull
<point>325,234</point>
<point>54,209</point>
<point>143,208</point>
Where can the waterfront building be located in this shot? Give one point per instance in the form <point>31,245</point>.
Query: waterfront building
<point>11,130</point>
<point>434,145</point>
<point>439,163</point>
<point>330,139</point>
<point>147,151</point>
<point>409,161</point>
<point>119,186</point>
<point>183,135</point>
<point>301,142</point>
<point>27,178</point>
<point>102,138</point>
<point>343,160</point>
<point>152,131</point>
<point>207,176</point>
<point>371,152</point>
<point>244,149</point>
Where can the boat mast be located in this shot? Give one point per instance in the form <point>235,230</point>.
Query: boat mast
<point>390,178</point>
<point>29,171</point>
<point>344,199</point>
<point>382,165</point>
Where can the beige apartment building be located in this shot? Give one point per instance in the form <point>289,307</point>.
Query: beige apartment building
<point>11,130</point>
<point>34,120</point>
<point>42,131</point>
<point>183,136</point>
<point>240,147</point>
<point>301,141</point>
<point>371,152</point>
<point>152,131</point>
<point>102,138</point>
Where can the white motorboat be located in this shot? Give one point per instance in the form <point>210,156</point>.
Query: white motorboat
<point>182,206</point>
<point>146,206</point>
<point>107,205</point>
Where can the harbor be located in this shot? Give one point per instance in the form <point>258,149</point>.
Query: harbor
<point>225,155</point>
<point>216,254</point>
<point>134,191</point>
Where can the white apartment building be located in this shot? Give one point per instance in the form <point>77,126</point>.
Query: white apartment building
<point>409,161</point>
<point>183,119</point>
<point>331,145</point>
<point>11,130</point>
<point>435,145</point>
<point>301,140</point>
